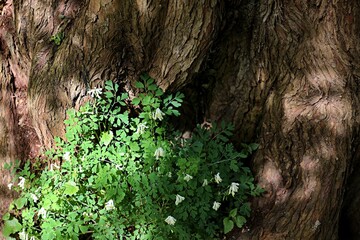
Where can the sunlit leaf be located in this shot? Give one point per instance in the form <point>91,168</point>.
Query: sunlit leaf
<point>70,188</point>
<point>106,137</point>
<point>11,226</point>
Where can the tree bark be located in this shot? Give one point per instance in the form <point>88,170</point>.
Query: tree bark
<point>284,72</point>
<point>292,79</point>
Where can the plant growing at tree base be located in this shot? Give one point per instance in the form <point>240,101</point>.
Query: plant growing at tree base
<point>123,173</point>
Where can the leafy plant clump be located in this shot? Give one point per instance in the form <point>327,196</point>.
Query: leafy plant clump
<point>122,173</point>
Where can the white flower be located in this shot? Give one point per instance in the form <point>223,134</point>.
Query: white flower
<point>141,128</point>
<point>10,185</point>
<point>169,174</point>
<point>159,153</point>
<point>179,199</point>
<point>23,235</point>
<point>34,197</point>
<point>66,156</point>
<point>22,182</point>
<point>218,178</point>
<point>205,183</point>
<point>32,238</point>
<point>234,187</point>
<point>158,114</point>
<point>188,177</point>
<point>95,92</point>
<point>53,165</point>
<point>170,220</point>
<point>216,205</point>
<point>119,167</point>
<point>109,205</point>
<point>42,212</point>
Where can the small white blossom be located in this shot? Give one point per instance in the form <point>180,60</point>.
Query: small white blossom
<point>42,212</point>
<point>216,205</point>
<point>218,178</point>
<point>205,183</point>
<point>85,214</point>
<point>158,114</point>
<point>66,156</point>
<point>170,220</point>
<point>22,182</point>
<point>179,199</point>
<point>32,238</point>
<point>53,165</point>
<point>23,235</point>
<point>119,167</point>
<point>141,128</point>
<point>316,225</point>
<point>169,174</point>
<point>234,187</point>
<point>109,205</point>
<point>159,153</point>
<point>95,92</point>
<point>188,177</point>
<point>34,197</point>
<point>10,185</point>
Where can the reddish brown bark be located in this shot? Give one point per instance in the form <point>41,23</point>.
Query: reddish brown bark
<point>284,72</point>
<point>298,73</point>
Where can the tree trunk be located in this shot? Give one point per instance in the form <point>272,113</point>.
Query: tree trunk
<point>291,80</point>
<point>284,72</point>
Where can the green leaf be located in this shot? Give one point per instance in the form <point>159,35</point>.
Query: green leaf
<point>176,104</point>
<point>152,87</point>
<point>6,216</point>
<point>233,212</point>
<point>20,202</point>
<point>159,92</point>
<point>11,226</point>
<point>144,76</point>
<point>240,221</point>
<point>198,146</point>
<point>149,80</point>
<point>254,146</point>
<point>139,85</point>
<point>146,100</point>
<point>124,117</point>
<point>136,101</point>
<point>228,225</point>
<point>109,85</point>
<point>106,137</point>
<point>109,95</point>
<point>83,229</point>
<point>70,188</point>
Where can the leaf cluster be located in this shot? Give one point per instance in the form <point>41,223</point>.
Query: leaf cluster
<point>122,174</point>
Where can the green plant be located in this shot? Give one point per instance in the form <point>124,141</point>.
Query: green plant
<point>57,38</point>
<point>122,173</point>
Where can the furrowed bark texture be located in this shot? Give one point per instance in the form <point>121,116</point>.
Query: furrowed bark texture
<point>299,73</point>
<point>285,73</point>
<point>108,40</point>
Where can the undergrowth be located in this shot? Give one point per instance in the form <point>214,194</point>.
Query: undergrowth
<point>124,173</point>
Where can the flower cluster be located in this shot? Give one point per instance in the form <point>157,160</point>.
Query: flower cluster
<point>95,92</point>
<point>233,188</point>
<point>158,114</point>
<point>25,236</point>
<point>109,205</point>
<point>159,152</point>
